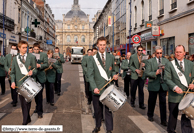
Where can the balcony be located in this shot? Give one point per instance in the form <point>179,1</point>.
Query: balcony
<point>161,11</point>
<point>174,5</point>
<point>9,23</point>
<point>150,17</point>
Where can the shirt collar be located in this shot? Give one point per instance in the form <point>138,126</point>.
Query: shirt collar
<point>180,61</point>
<point>25,55</point>
<point>101,54</point>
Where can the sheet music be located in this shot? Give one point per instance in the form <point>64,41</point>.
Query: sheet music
<point>52,60</point>
<point>13,52</point>
<point>37,56</point>
<point>55,55</point>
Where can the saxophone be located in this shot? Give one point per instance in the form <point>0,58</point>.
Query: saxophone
<point>141,68</point>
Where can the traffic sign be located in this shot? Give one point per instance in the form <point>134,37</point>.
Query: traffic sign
<point>136,39</point>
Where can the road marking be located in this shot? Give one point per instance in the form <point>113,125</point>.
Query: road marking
<point>81,74</point>
<point>1,115</point>
<point>81,79</point>
<point>146,126</point>
<point>4,100</point>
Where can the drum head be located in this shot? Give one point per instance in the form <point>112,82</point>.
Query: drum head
<point>106,92</point>
<point>186,101</point>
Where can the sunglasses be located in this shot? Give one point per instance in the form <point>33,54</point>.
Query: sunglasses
<point>140,50</point>
<point>159,53</point>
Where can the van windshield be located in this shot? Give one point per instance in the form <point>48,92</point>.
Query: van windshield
<point>77,51</point>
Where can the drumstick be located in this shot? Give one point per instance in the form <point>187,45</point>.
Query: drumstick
<point>188,90</point>
<point>25,76</point>
<point>107,83</point>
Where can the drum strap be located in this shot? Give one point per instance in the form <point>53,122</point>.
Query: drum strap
<point>101,70</point>
<point>180,74</point>
<point>21,66</point>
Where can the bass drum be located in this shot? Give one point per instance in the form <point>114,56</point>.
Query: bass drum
<point>113,98</point>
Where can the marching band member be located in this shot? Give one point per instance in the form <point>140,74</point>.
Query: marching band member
<point>156,85</point>
<point>134,66</point>
<point>126,75</point>
<point>7,66</point>
<point>178,74</point>
<point>2,74</point>
<point>22,65</point>
<point>100,70</point>
<point>42,63</point>
<point>30,50</point>
<point>59,72</point>
<point>84,67</point>
<point>50,79</point>
<point>117,63</point>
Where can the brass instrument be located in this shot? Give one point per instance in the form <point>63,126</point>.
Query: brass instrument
<point>51,61</point>
<point>141,68</point>
<point>48,67</point>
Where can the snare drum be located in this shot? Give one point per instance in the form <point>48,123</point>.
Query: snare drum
<point>186,106</point>
<point>29,89</point>
<point>113,98</point>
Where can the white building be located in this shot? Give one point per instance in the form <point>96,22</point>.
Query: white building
<point>12,23</point>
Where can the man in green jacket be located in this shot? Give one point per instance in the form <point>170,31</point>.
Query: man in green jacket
<point>42,64</point>
<point>136,80</point>
<point>126,74</point>
<point>105,62</point>
<point>29,62</point>
<point>84,67</point>
<point>174,74</point>
<point>59,72</point>
<point>156,85</point>
<point>2,74</point>
<point>7,67</point>
<point>117,64</point>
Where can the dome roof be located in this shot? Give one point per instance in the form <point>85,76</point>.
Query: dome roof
<point>76,13</point>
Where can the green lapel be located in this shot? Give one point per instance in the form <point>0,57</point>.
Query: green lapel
<point>99,59</point>
<point>136,61</point>
<point>155,63</point>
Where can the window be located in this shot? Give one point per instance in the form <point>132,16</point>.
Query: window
<point>161,11</point>
<point>174,4</point>
<point>168,45</point>
<point>76,39</point>
<point>83,38</point>
<point>75,26</point>
<point>150,10</point>
<point>68,27</point>
<point>82,26</point>
<point>135,16</point>
<point>142,11</point>
<point>68,39</point>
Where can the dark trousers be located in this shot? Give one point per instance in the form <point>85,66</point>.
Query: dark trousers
<point>14,94</point>
<point>2,82</point>
<point>162,103</point>
<point>39,100</point>
<point>140,83</point>
<point>116,81</point>
<point>58,82</point>
<point>172,121</point>
<point>98,113</point>
<point>25,110</point>
<point>49,92</point>
<point>126,84</point>
<point>87,90</point>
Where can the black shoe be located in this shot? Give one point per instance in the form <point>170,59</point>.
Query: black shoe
<point>108,131</point>
<point>52,104</point>
<point>96,130</point>
<point>151,119</point>
<point>164,123</point>
<point>14,104</point>
<point>133,105</point>
<point>89,102</point>
<point>58,94</point>
<point>40,116</point>
<point>55,92</point>
<point>142,107</point>
<point>29,120</point>
<point>35,111</point>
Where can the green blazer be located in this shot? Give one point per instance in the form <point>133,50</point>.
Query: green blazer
<point>95,79</point>
<point>171,78</point>
<point>117,65</point>
<point>84,66</point>
<point>133,65</point>
<point>2,70</point>
<point>16,74</point>
<point>7,64</point>
<point>43,61</point>
<point>51,73</point>
<point>154,80</point>
<point>61,61</point>
<point>124,67</point>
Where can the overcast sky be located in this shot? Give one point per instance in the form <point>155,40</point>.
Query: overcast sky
<point>60,7</point>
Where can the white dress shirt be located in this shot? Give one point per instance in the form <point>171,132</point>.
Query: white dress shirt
<point>25,55</point>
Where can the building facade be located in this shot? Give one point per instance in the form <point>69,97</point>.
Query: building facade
<point>75,30</point>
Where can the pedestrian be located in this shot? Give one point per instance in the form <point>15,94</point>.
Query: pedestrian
<point>156,85</point>
<point>175,73</point>
<point>96,72</point>
<point>28,62</point>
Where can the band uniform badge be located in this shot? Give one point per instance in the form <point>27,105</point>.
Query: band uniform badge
<point>110,68</point>
<point>180,74</point>
<point>29,67</point>
<point>21,65</point>
<point>41,62</point>
<point>189,74</point>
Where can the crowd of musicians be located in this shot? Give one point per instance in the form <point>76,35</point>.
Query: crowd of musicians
<point>47,74</point>
<point>162,78</point>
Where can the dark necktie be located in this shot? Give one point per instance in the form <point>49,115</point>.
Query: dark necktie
<point>159,61</point>
<point>103,60</point>
<point>181,65</point>
<point>23,60</point>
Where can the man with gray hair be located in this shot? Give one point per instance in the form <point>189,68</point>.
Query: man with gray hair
<point>156,85</point>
